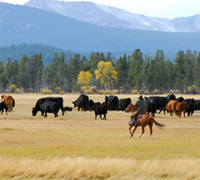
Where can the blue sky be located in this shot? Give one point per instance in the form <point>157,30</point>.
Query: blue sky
<point>155,8</point>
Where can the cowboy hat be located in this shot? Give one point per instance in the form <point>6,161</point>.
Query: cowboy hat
<point>140,97</point>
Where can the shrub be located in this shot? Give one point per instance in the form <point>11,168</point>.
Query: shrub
<point>108,92</point>
<point>13,88</point>
<point>57,90</point>
<point>115,91</point>
<point>89,90</point>
<point>46,91</point>
<point>61,92</point>
<point>135,91</point>
<point>192,89</point>
<point>100,91</point>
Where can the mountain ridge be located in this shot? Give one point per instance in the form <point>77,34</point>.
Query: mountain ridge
<point>22,24</point>
<point>108,16</point>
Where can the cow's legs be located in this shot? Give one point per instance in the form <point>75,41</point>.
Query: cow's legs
<point>45,114</point>
<point>56,115</point>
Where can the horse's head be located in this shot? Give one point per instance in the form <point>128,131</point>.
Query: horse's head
<point>131,108</point>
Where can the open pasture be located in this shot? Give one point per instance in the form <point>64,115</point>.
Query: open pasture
<point>76,146</point>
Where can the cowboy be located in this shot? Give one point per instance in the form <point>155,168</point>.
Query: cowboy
<point>141,106</point>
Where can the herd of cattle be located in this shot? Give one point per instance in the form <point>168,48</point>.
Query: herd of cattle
<point>170,103</point>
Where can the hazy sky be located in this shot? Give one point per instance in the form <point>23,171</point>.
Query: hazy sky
<point>155,8</point>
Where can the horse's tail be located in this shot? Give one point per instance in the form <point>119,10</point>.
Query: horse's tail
<point>157,124</point>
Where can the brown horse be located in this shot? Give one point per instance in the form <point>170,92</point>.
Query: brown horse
<point>145,120</point>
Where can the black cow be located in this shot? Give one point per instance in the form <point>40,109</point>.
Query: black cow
<point>190,103</point>
<point>123,103</point>
<point>113,102</point>
<point>49,107</point>
<point>170,97</point>
<point>99,110</point>
<point>81,102</point>
<point>180,99</point>
<point>95,105</point>
<point>67,108</point>
<point>90,105</point>
<point>2,107</point>
<point>58,100</point>
<point>151,108</point>
<point>159,101</point>
<point>197,105</point>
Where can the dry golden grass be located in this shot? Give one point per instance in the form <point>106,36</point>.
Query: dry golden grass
<point>76,146</point>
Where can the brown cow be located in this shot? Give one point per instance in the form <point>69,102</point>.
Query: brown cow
<point>180,106</point>
<point>171,107</point>
<point>10,102</point>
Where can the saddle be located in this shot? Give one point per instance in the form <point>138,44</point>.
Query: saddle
<point>140,115</point>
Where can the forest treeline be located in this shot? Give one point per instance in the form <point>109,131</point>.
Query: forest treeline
<point>134,72</point>
<point>16,51</point>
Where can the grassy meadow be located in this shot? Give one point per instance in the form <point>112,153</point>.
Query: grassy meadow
<point>76,146</point>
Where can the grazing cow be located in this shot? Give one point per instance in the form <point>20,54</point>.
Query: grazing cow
<point>171,107</point>
<point>190,103</point>
<point>124,103</point>
<point>159,101</point>
<point>49,107</point>
<point>170,97</point>
<point>180,106</point>
<point>112,101</point>
<point>2,107</point>
<point>99,110</point>
<point>66,108</point>
<point>10,102</point>
<point>196,104</point>
<point>151,108</point>
<point>58,100</point>
<point>81,102</point>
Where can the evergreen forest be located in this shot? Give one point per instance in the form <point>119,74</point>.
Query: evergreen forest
<point>134,72</point>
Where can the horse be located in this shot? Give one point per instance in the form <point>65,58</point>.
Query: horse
<point>143,121</point>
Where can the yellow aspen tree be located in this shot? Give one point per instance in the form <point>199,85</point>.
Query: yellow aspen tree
<point>106,73</point>
<point>84,78</point>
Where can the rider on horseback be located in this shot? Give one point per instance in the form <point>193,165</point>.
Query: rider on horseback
<point>141,109</point>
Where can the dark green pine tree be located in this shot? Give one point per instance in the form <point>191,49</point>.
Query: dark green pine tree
<point>3,81</point>
<point>35,73</point>
<point>23,73</point>
<point>189,63</point>
<point>160,71</point>
<point>170,81</point>
<point>150,81</point>
<point>179,70</point>
<point>135,70</point>
<point>8,71</point>
<point>121,68</point>
<point>197,73</point>
<point>62,73</point>
<point>73,71</point>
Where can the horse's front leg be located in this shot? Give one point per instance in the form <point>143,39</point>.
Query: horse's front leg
<point>133,130</point>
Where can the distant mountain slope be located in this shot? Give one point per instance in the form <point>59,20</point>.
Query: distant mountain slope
<point>114,17</point>
<point>16,52</point>
<point>22,24</point>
